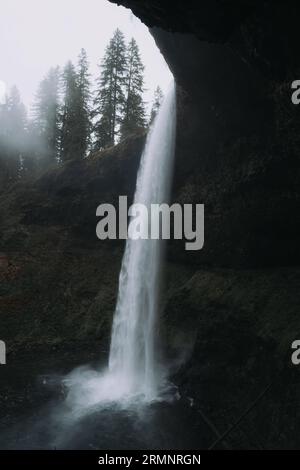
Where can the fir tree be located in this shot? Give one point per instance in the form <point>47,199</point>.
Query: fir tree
<point>158,97</point>
<point>83,103</point>
<point>33,157</point>
<point>47,117</point>
<point>69,139</point>
<point>3,144</point>
<point>134,110</point>
<point>12,135</point>
<point>109,100</point>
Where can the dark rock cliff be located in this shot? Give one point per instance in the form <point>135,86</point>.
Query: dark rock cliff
<point>237,149</point>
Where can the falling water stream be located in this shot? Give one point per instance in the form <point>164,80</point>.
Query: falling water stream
<point>132,358</point>
<point>134,374</point>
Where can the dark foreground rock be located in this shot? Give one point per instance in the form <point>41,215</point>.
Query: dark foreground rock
<point>228,336</point>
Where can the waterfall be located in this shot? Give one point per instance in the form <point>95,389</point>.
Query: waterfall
<point>133,371</point>
<point>132,358</point>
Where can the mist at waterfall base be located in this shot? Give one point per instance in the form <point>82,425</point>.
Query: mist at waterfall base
<point>134,375</point>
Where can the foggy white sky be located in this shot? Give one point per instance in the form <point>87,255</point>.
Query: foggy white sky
<point>38,34</point>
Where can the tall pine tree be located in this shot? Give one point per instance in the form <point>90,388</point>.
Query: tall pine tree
<point>134,110</point>
<point>76,124</point>
<point>69,141</point>
<point>12,135</point>
<point>83,127</point>
<point>47,116</point>
<point>33,158</point>
<point>110,98</point>
<point>158,97</point>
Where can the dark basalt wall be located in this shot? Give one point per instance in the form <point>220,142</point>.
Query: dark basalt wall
<point>237,143</point>
<point>264,33</point>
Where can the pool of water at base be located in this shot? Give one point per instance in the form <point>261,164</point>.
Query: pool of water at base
<point>34,413</point>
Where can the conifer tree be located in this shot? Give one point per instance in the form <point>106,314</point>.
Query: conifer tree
<point>83,127</point>
<point>158,98</point>
<point>33,157</point>
<point>134,110</point>
<point>109,100</point>
<point>3,144</point>
<point>12,135</point>
<point>47,117</point>
<point>69,141</point>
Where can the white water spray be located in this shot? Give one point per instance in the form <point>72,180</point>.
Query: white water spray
<point>133,372</point>
<point>132,353</point>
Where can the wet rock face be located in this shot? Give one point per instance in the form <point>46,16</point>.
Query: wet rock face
<point>3,262</point>
<point>249,183</point>
<point>231,331</point>
<point>265,34</point>
<point>213,20</point>
<point>237,141</point>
